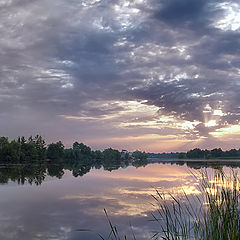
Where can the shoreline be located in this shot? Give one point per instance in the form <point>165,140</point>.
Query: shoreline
<point>196,161</point>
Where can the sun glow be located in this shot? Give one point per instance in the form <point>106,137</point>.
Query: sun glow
<point>212,115</point>
<point>211,123</point>
<point>139,117</point>
<point>230,130</point>
<point>231,19</point>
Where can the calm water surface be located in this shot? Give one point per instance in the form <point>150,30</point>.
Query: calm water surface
<point>58,207</point>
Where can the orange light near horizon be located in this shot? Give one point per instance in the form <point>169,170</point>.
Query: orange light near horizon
<point>148,142</point>
<point>227,131</point>
<point>148,129</point>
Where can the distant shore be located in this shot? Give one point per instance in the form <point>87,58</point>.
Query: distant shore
<point>196,161</point>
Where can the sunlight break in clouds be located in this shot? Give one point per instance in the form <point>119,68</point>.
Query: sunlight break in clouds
<point>139,74</point>
<point>231,18</point>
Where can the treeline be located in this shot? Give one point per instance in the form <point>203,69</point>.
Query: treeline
<point>164,155</point>
<point>35,150</point>
<point>31,160</point>
<point>210,154</point>
<point>22,150</point>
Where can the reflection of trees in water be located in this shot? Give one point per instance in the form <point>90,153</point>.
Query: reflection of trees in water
<point>32,174</point>
<point>140,163</point>
<point>110,167</point>
<point>55,170</point>
<point>198,164</point>
<point>36,173</point>
<point>215,165</point>
<point>78,169</point>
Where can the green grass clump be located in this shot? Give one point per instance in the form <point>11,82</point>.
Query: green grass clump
<point>214,214</point>
<point>221,218</point>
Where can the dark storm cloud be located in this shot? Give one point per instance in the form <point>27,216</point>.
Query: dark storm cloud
<point>184,13</point>
<point>64,57</point>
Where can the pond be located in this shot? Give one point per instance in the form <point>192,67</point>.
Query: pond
<point>39,206</point>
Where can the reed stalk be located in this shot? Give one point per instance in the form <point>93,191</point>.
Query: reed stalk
<point>214,214</point>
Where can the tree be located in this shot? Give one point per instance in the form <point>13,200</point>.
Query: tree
<point>232,153</point>
<point>9,152</point>
<point>111,155</point>
<point>138,155</point>
<point>55,151</point>
<point>55,170</point>
<point>28,150</point>
<point>14,151</point>
<point>195,153</point>
<point>98,156</point>
<point>3,142</point>
<point>3,148</point>
<point>182,155</point>
<point>82,148</point>
<point>40,147</point>
<point>216,152</point>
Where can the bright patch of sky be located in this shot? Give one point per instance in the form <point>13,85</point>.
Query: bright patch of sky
<point>231,18</point>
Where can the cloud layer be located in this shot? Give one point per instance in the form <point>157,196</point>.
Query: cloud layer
<point>99,69</point>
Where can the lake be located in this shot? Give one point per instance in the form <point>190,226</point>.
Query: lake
<point>38,206</point>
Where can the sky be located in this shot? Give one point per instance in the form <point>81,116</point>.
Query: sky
<point>153,75</point>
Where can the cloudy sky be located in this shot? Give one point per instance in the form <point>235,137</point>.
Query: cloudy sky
<point>155,75</point>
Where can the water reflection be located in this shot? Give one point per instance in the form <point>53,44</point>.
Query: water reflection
<point>36,204</point>
<point>36,173</point>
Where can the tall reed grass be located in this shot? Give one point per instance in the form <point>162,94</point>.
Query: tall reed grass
<point>214,214</point>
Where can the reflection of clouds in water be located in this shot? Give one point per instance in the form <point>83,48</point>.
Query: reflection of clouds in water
<point>148,174</point>
<point>128,205</point>
<point>174,190</point>
<point>133,195</point>
<point>56,208</point>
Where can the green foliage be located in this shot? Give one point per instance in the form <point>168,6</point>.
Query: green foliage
<point>216,152</point>
<point>79,153</point>
<point>83,149</point>
<point>111,159</point>
<point>9,151</point>
<point>218,220</point>
<point>138,155</point>
<point>111,155</point>
<point>14,149</point>
<point>34,150</point>
<point>210,154</point>
<point>195,153</point>
<point>28,150</point>
<point>40,146</point>
<point>55,151</point>
<point>98,155</point>
<point>22,150</point>
<point>182,155</point>
<point>179,218</point>
<point>3,142</point>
